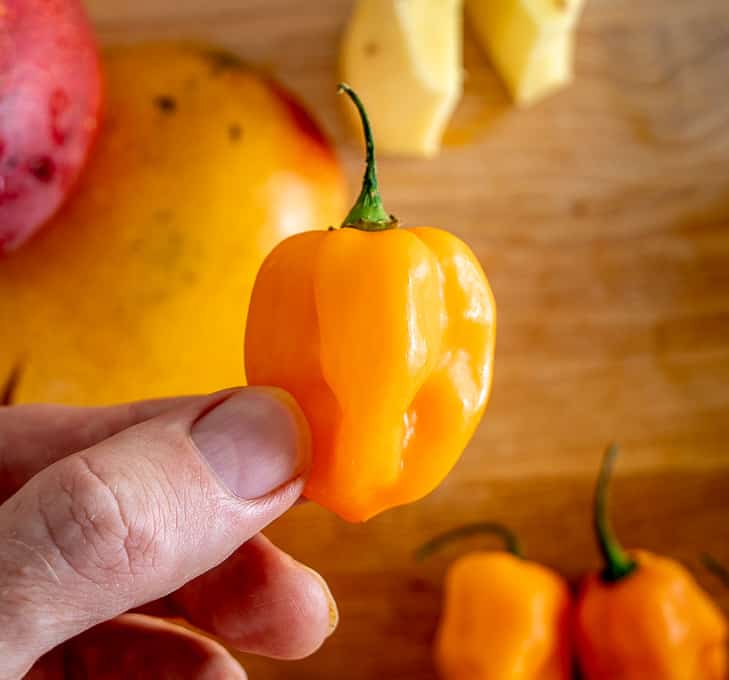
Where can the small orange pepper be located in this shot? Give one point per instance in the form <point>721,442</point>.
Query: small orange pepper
<point>385,337</point>
<point>504,618</point>
<point>644,617</point>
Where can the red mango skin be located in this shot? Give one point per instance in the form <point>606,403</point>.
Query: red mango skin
<point>50,101</point>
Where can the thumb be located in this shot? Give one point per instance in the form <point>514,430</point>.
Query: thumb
<point>133,518</point>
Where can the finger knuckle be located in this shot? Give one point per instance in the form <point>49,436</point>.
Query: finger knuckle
<point>99,523</point>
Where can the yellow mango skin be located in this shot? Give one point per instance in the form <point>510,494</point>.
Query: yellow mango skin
<point>140,287</point>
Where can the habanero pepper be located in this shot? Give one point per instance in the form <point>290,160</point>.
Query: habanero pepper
<point>504,617</point>
<point>385,337</point>
<point>644,616</point>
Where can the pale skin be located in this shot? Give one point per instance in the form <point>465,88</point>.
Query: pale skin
<point>114,521</point>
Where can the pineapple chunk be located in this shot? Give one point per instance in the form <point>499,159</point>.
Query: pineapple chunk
<point>404,59</point>
<point>530,42</point>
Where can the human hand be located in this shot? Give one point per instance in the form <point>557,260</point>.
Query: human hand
<point>152,508</point>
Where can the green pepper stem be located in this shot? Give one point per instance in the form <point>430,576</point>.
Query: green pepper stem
<point>618,564</point>
<point>7,392</point>
<point>716,568</point>
<point>511,541</point>
<point>368,213</point>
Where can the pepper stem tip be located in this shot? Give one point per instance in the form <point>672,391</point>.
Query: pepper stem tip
<point>510,539</point>
<point>618,563</point>
<point>368,213</point>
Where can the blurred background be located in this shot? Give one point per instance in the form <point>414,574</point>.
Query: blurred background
<point>601,217</point>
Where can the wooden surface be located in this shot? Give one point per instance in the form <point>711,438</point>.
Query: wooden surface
<point>602,220</point>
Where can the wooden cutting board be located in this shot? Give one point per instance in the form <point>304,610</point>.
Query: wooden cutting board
<point>602,219</point>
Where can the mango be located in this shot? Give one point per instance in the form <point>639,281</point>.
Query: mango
<point>139,287</point>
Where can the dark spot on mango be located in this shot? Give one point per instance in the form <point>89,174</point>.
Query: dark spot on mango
<point>234,132</point>
<point>222,61</point>
<point>42,168</point>
<point>371,48</point>
<point>166,104</point>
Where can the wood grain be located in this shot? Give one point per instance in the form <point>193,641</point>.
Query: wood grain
<point>602,219</point>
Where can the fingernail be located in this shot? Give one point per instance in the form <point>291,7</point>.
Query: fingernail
<point>331,603</point>
<point>255,441</point>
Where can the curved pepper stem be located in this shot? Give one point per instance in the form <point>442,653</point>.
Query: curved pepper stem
<point>368,213</point>
<point>511,541</point>
<point>716,568</point>
<point>7,392</point>
<point>618,564</point>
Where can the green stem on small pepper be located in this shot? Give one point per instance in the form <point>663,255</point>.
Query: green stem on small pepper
<point>368,213</point>
<point>7,392</point>
<point>618,564</point>
<point>716,568</point>
<point>511,541</point>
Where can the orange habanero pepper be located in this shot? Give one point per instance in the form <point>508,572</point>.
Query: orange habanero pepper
<point>385,337</point>
<point>504,618</point>
<point>644,617</point>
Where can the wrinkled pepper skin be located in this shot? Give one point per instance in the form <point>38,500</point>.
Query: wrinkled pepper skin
<point>386,340</point>
<point>504,618</point>
<point>655,624</point>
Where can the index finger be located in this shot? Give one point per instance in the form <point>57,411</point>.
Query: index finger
<point>33,436</point>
